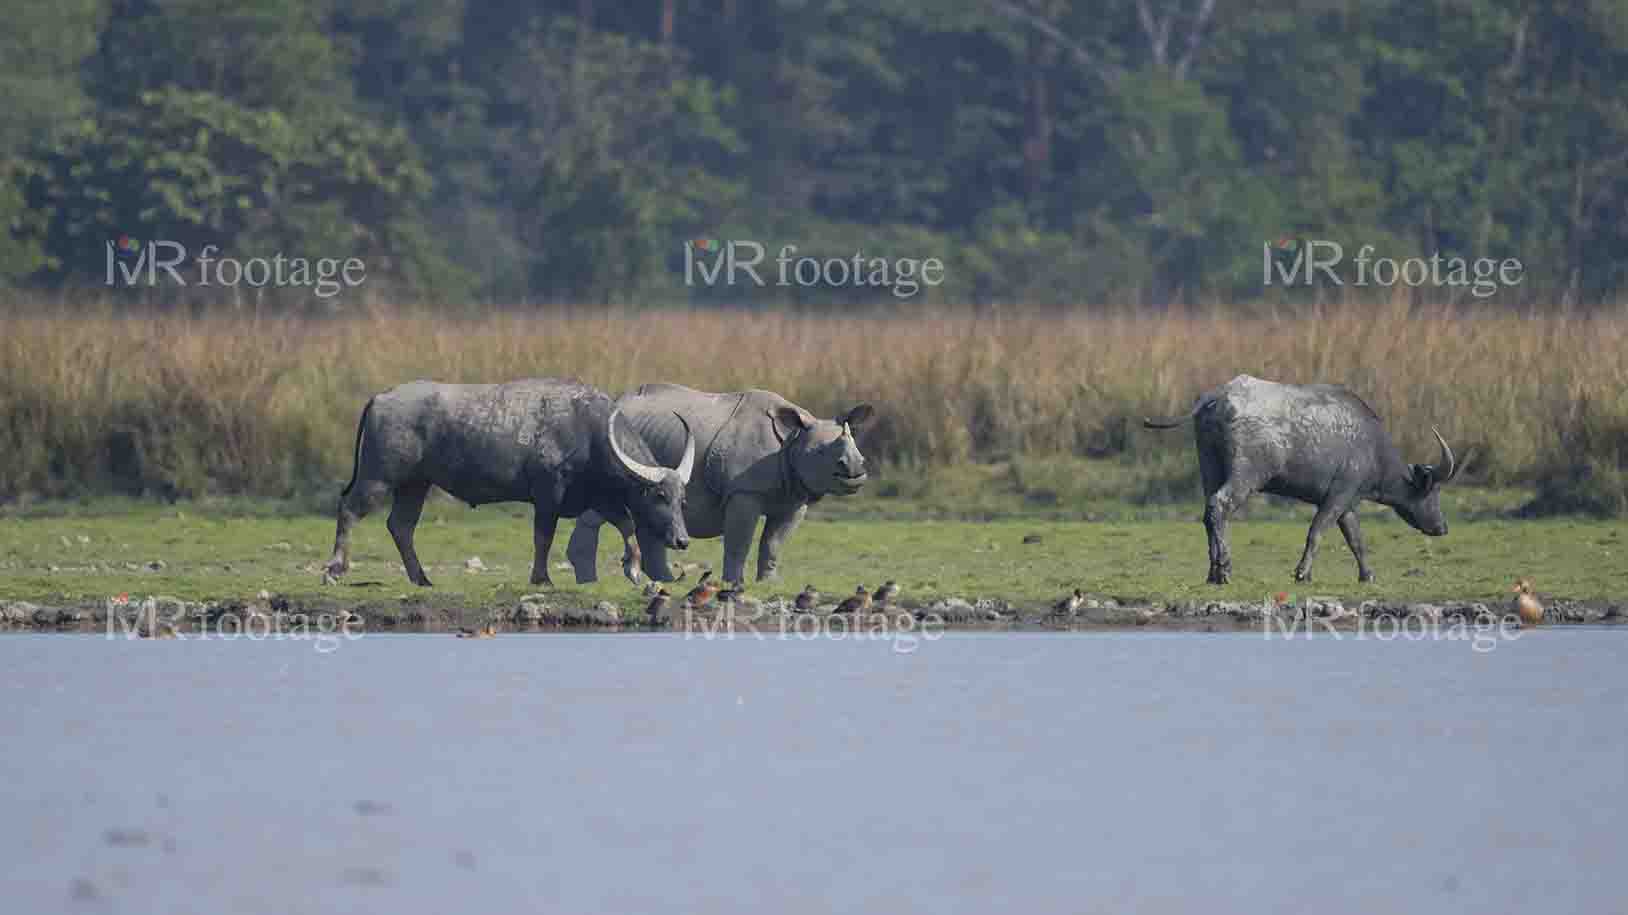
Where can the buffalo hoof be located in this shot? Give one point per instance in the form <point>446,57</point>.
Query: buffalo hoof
<point>1219,577</point>
<point>1366,578</point>
<point>541,579</point>
<point>337,567</point>
<point>1302,574</point>
<point>423,581</point>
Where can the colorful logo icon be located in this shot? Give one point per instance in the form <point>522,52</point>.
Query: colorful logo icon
<point>1286,243</point>
<point>127,245</point>
<point>704,244</point>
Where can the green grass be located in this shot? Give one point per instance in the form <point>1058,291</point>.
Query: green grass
<point>221,550</point>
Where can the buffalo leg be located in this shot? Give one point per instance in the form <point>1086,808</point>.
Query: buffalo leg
<point>583,548</point>
<point>632,556</point>
<point>404,515</point>
<point>362,498</point>
<point>543,524</point>
<point>776,529</point>
<point>1353,539</point>
<point>740,523</point>
<point>1217,510</point>
<point>1319,522</point>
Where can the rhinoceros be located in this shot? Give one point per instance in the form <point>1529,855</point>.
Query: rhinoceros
<point>559,444</point>
<point>762,456</point>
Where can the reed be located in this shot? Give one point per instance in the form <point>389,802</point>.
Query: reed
<point>179,406</point>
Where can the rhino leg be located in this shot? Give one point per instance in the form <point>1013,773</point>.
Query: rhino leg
<point>354,504</point>
<point>740,523</point>
<point>404,515</point>
<point>776,529</point>
<point>583,548</point>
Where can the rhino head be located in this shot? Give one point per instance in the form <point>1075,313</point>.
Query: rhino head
<point>822,453</point>
<point>657,503</point>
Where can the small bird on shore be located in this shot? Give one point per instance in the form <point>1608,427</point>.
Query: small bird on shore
<point>885,594</point>
<point>859,603</point>
<point>482,632</point>
<point>657,608</point>
<point>1069,605</point>
<point>809,597</point>
<point>703,592</point>
<point>1526,603</point>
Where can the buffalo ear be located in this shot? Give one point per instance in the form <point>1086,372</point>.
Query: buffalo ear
<point>858,415</point>
<point>793,418</point>
<point>1424,477</point>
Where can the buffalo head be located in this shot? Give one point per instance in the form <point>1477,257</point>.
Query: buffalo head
<point>657,503</point>
<point>1421,507</point>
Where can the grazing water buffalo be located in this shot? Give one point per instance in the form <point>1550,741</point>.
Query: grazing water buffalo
<point>762,457</point>
<point>1317,443</point>
<point>551,442</point>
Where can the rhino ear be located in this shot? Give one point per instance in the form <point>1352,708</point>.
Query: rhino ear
<point>858,415</point>
<point>793,418</point>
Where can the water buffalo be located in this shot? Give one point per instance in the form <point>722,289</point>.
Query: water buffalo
<point>763,457</point>
<point>1317,443</point>
<point>551,442</point>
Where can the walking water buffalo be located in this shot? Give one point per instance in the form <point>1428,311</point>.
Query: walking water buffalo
<point>1317,443</point>
<point>555,443</point>
<point>762,457</point>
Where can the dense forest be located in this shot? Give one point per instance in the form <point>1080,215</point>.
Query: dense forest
<point>1044,151</point>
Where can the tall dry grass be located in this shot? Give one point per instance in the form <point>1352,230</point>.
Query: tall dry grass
<point>179,406</point>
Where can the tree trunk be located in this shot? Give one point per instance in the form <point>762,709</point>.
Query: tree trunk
<point>1037,120</point>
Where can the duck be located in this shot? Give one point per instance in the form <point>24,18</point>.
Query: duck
<point>1526,603</point>
<point>859,603</point>
<point>885,594</point>
<point>704,591</point>
<point>1069,605</point>
<point>657,608</point>
<point>483,632</point>
<point>808,598</point>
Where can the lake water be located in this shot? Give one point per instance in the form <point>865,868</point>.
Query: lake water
<point>1107,772</point>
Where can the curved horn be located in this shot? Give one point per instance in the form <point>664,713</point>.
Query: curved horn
<point>1447,458</point>
<point>643,471</point>
<point>687,465</point>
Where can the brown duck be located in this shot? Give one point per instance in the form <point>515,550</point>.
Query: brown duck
<point>657,608</point>
<point>885,594</point>
<point>1526,603</point>
<point>703,592</point>
<point>808,599</point>
<point>859,603</point>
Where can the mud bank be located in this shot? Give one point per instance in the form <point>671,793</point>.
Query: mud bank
<point>544,612</point>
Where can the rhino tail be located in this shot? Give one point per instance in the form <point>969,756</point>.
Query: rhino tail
<point>356,455</point>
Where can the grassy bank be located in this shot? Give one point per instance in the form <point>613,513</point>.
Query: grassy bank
<point>223,553</point>
<point>179,407</point>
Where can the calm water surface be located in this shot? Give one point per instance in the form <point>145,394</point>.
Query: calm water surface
<point>632,773</point>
